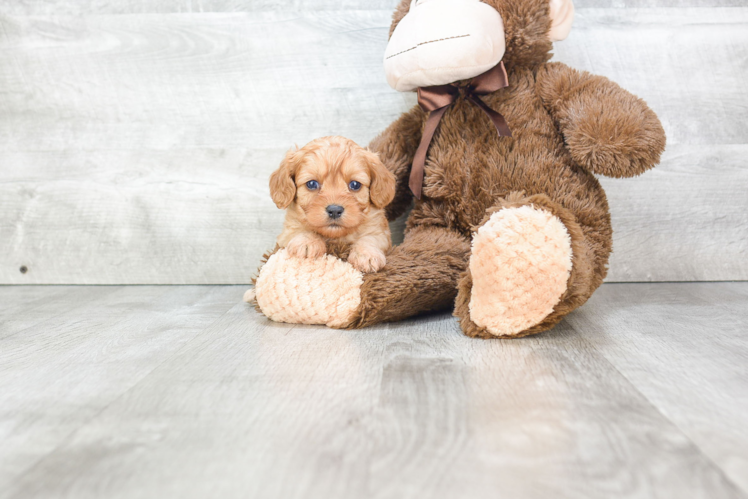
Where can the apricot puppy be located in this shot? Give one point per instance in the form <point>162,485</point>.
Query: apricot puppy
<point>334,191</point>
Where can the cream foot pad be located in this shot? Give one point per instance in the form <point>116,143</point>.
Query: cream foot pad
<point>324,291</point>
<point>520,263</point>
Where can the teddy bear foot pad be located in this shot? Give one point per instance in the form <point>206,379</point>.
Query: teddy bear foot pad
<point>322,291</point>
<point>521,261</point>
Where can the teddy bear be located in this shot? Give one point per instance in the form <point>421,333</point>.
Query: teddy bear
<point>509,226</point>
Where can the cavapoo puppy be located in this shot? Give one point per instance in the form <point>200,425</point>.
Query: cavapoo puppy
<point>334,193</point>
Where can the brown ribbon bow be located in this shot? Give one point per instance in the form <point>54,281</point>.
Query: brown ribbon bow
<point>436,100</point>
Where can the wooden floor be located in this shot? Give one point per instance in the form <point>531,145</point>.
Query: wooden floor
<point>186,391</point>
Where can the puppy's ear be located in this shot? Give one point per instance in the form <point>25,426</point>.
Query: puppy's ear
<point>382,188</point>
<point>282,185</point>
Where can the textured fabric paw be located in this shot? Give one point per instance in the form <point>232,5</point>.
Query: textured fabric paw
<point>521,261</point>
<point>323,291</point>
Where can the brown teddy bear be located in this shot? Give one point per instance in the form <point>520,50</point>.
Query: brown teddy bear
<point>511,228</point>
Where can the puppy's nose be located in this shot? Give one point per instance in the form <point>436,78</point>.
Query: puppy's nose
<point>334,211</point>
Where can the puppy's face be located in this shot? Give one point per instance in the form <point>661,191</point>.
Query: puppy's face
<point>332,183</point>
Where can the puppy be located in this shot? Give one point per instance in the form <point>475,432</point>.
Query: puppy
<point>335,192</point>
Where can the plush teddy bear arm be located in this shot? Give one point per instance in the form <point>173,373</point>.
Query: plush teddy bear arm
<point>396,147</point>
<point>608,130</point>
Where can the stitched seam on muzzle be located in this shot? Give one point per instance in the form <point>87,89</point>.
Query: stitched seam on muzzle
<point>424,43</point>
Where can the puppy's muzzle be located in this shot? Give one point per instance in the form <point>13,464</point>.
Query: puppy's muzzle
<point>334,211</point>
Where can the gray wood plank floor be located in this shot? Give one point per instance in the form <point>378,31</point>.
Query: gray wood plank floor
<point>185,391</point>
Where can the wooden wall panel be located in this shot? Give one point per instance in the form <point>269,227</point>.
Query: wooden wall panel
<point>87,7</point>
<point>136,138</point>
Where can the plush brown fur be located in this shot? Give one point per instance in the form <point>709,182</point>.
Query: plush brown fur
<point>333,162</point>
<point>566,125</point>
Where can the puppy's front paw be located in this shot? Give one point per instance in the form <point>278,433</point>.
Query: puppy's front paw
<point>367,260</point>
<point>304,247</point>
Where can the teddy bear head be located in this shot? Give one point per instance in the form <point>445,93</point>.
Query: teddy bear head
<point>435,42</point>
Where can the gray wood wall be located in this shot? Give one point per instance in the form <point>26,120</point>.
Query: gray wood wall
<point>137,136</point>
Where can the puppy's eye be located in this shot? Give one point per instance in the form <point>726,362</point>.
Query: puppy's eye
<point>354,185</point>
<point>312,185</point>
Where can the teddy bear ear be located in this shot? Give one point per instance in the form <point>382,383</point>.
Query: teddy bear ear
<point>562,15</point>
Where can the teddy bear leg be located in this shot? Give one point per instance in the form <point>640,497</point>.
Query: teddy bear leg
<point>420,275</point>
<point>321,291</point>
<point>530,265</point>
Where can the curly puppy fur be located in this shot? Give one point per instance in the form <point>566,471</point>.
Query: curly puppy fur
<point>567,125</point>
<point>334,172</point>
